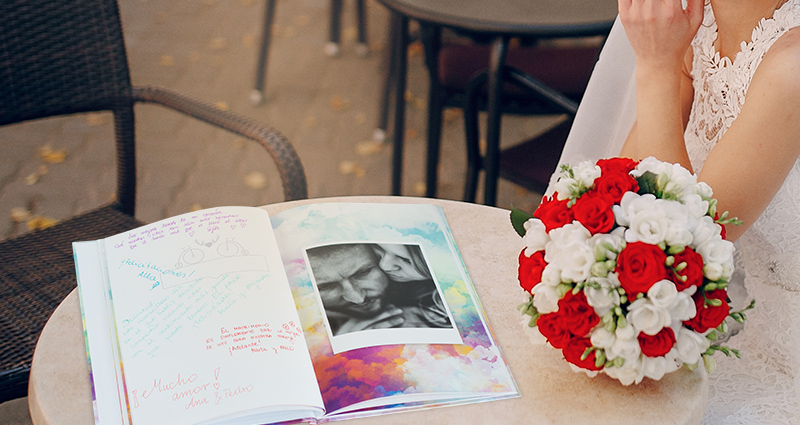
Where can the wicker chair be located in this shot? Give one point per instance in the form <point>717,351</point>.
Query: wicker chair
<point>68,57</point>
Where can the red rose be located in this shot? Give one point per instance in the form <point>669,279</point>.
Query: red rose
<point>594,212</point>
<point>530,269</point>
<point>574,351</point>
<point>639,266</point>
<point>576,315</point>
<point>693,271</point>
<point>612,185</point>
<point>708,316</point>
<point>550,327</point>
<point>657,345</point>
<point>616,165</point>
<point>553,213</point>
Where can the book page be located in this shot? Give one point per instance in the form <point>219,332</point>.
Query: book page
<point>387,308</point>
<point>205,322</point>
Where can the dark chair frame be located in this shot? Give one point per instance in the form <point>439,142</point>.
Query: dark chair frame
<point>332,49</point>
<point>68,57</point>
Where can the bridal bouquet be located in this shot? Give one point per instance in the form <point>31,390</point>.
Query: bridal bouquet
<point>627,267</point>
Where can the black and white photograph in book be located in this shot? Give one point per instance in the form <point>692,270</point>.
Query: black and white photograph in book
<point>379,286</point>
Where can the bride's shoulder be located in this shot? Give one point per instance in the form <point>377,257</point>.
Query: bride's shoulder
<point>781,63</point>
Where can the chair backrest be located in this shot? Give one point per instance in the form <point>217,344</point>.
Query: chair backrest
<point>65,57</point>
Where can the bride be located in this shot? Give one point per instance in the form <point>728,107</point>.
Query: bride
<point>716,88</point>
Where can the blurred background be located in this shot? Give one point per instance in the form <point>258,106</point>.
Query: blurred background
<point>328,107</point>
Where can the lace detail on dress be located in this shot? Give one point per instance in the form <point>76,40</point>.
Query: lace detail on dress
<point>762,387</point>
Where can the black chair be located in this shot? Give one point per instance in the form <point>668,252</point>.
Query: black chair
<point>540,78</point>
<point>68,57</point>
<point>332,48</point>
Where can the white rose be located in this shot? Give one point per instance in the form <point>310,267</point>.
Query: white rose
<point>695,205</point>
<point>628,373</point>
<point>545,298</point>
<point>630,205</point>
<point>648,226</point>
<point>569,233</point>
<point>626,332</point>
<point>690,345</point>
<point>566,188</point>
<point>628,349</point>
<point>604,298</point>
<point>602,338</point>
<point>716,251</point>
<point>585,173</point>
<point>535,237</point>
<point>647,317</point>
<point>662,294</point>
<point>654,367</point>
<point>683,307</point>
<point>649,164</point>
<point>551,275</point>
<point>713,271</point>
<point>678,228</point>
<point>704,190</point>
<point>606,245</point>
<point>576,262</point>
<point>705,230</point>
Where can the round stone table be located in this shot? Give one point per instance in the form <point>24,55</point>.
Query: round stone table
<point>551,393</point>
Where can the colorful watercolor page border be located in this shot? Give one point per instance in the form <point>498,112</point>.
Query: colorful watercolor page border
<point>363,374</point>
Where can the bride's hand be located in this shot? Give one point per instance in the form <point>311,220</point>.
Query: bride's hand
<point>660,31</point>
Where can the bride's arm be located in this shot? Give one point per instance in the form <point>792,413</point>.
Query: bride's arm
<point>748,165</point>
<point>660,33</point>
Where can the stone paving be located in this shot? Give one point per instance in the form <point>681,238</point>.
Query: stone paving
<point>326,106</point>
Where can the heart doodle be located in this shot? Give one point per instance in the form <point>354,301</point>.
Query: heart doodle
<point>216,385</point>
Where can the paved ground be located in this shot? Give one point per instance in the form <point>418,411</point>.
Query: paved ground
<point>328,107</point>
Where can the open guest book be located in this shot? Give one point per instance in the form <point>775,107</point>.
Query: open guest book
<point>322,312</point>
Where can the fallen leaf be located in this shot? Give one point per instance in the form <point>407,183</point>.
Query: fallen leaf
<point>408,96</point>
<point>411,134</point>
<point>52,156</point>
<point>222,105</point>
<point>302,20</point>
<point>369,148</point>
<point>350,33</point>
<point>249,40</point>
<point>39,222</point>
<point>376,46</point>
<point>166,60</point>
<point>352,168</point>
<point>452,113</point>
<point>19,214</point>
<point>195,207</point>
<point>415,49</point>
<point>31,179</point>
<point>420,104</point>
<point>218,43</point>
<point>42,170</point>
<point>255,180</point>
<point>96,119</point>
<point>419,188</point>
<point>338,104</point>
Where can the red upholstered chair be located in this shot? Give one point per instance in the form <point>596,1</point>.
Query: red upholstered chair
<point>540,80</point>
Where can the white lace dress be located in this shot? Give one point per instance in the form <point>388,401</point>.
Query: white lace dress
<point>763,386</point>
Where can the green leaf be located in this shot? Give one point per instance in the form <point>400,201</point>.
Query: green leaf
<point>647,183</point>
<point>518,219</point>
